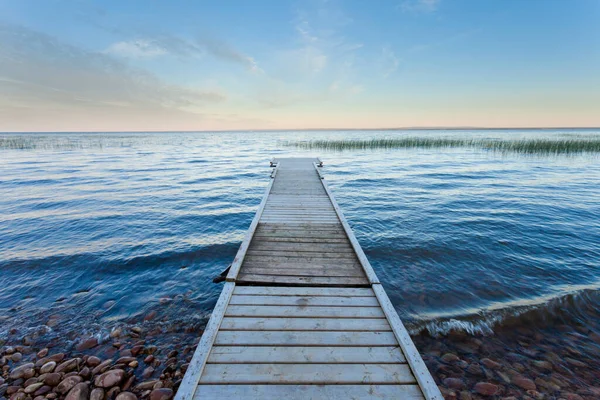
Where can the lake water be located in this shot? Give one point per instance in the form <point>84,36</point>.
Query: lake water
<point>102,228</point>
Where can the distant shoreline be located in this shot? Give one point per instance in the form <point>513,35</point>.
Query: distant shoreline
<point>456,128</point>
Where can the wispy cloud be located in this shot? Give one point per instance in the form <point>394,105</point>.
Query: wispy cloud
<point>419,5</point>
<point>223,51</point>
<point>390,61</point>
<point>40,73</point>
<point>139,48</point>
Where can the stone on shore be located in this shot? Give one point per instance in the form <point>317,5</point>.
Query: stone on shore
<point>110,378</point>
<point>80,391</point>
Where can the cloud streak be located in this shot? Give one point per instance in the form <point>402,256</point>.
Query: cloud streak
<point>40,74</point>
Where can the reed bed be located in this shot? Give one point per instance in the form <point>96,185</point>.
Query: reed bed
<point>67,142</point>
<point>575,145</point>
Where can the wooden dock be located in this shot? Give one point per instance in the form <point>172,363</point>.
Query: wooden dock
<point>302,314</point>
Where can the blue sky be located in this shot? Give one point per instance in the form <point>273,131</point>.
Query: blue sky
<point>195,65</point>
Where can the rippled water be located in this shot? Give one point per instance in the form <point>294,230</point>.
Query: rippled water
<point>102,230</point>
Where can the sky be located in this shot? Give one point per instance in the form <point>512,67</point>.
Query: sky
<point>114,65</point>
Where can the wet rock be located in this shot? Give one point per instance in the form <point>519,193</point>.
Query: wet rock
<point>87,344</point>
<point>575,363</point>
<point>97,394</point>
<point>16,357</point>
<point>43,390</point>
<point>68,366</point>
<point>449,358</point>
<point>113,392</point>
<point>146,385</point>
<point>12,390</point>
<point>134,364</point>
<point>125,360</point>
<point>454,383</point>
<point>80,391</point>
<point>161,394</point>
<point>543,365</point>
<point>149,359</point>
<point>103,366</point>
<point>572,396</point>
<point>9,350</point>
<point>116,332</point>
<point>135,350</point>
<point>126,396</point>
<point>48,367</point>
<point>93,361</point>
<point>475,369</point>
<point>56,358</point>
<point>523,383</point>
<point>150,316</point>
<point>465,395</point>
<point>68,383</point>
<point>486,388</point>
<point>25,371</point>
<point>148,372</point>
<point>52,379</point>
<point>33,387</point>
<point>172,354</point>
<point>110,378</point>
<point>136,329</point>
<point>18,396</point>
<point>85,373</point>
<point>129,383</point>
<point>42,353</point>
<point>30,381</point>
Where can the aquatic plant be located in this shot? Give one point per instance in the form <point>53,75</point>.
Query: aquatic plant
<point>573,145</point>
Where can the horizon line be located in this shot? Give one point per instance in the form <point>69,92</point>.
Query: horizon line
<point>416,128</point>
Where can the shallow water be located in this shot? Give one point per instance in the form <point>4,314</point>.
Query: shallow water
<point>102,228</point>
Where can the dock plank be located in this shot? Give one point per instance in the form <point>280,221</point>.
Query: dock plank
<point>316,374</point>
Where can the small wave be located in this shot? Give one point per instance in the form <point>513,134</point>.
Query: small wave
<point>579,307</point>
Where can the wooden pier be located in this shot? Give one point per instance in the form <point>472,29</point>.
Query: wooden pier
<point>302,314</point>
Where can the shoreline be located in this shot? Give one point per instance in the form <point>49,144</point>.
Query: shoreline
<point>143,360</point>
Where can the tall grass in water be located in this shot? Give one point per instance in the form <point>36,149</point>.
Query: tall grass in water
<point>67,142</point>
<point>527,146</point>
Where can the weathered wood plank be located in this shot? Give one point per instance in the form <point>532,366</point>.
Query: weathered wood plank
<point>304,312</point>
<point>305,355</point>
<point>354,272</point>
<point>302,291</point>
<point>237,299</point>
<point>309,392</point>
<point>305,338</point>
<point>316,374</point>
<point>301,280</point>
<point>272,261</point>
<point>299,246</point>
<point>304,324</point>
<point>298,254</point>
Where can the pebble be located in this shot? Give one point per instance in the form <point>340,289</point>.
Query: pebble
<point>16,357</point>
<point>48,367</point>
<point>93,361</point>
<point>24,371</point>
<point>148,372</point>
<point>97,394</point>
<point>42,353</point>
<point>486,389</point>
<point>449,357</point>
<point>52,379</point>
<point>34,387</point>
<point>80,391</point>
<point>523,383</point>
<point>87,344</point>
<point>126,396</point>
<point>491,363</point>
<point>161,394</point>
<point>68,383</point>
<point>68,366</point>
<point>110,378</point>
<point>454,383</point>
